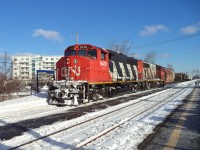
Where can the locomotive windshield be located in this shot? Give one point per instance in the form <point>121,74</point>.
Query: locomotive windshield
<point>70,53</point>
<point>82,52</point>
<point>92,53</point>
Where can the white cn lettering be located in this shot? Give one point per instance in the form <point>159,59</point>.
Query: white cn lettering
<point>103,63</point>
<point>76,70</point>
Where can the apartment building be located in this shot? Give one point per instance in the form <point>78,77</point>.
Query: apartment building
<point>26,66</point>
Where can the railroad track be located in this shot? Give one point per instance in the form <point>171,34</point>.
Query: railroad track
<point>24,125</point>
<point>31,111</point>
<point>40,109</point>
<point>129,111</point>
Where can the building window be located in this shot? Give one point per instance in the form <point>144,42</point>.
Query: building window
<point>52,59</point>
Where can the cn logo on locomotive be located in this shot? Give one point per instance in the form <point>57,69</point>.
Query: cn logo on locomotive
<point>66,71</point>
<point>76,70</point>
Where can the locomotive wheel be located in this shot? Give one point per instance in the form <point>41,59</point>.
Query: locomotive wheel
<point>80,101</point>
<point>50,100</point>
<point>148,86</point>
<point>134,89</point>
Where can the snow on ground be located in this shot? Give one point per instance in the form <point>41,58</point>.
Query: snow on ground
<point>25,108</point>
<point>132,133</point>
<point>128,136</point>
<point>33,106</point>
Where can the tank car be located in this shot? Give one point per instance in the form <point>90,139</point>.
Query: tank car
<point>88,72</point>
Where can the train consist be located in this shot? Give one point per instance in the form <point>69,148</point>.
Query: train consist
<point>87,72</point>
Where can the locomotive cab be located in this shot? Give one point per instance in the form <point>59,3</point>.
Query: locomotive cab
<point>84,62</point>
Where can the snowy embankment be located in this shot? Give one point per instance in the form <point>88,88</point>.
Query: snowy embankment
<point>128,135</point>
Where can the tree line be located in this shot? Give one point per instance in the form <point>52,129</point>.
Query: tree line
<point>8,85</point>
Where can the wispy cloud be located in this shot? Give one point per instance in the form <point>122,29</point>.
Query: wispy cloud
<point>48,34</point>
<point>191,29</point>
<point>153,29</point>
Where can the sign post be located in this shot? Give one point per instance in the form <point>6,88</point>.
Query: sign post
<point>43,71</point>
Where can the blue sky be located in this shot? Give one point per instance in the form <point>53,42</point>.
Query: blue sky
<point>47,27</point>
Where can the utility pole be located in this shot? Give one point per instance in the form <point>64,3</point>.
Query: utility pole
<point>5,62</point>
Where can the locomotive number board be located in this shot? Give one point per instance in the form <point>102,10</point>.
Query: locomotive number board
<point>83,47</point>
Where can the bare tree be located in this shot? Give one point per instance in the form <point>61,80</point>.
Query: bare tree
<point>170,66</point>
<point>151,57</point>
<point>8,87</point>
<point>123,47</point>
<point>13,86</point>
<point>5,64</point>
<point>3,83</point>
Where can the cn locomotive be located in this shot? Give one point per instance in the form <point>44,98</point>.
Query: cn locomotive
<point>88,72</point>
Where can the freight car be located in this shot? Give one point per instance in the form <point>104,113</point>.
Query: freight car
<point>180,77</point>
<point>87,72</point>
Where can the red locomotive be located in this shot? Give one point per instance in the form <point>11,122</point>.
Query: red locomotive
<point>87,72</point>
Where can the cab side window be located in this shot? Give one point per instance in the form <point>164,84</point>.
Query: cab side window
<point>103,55</point>
<point>92,53</point>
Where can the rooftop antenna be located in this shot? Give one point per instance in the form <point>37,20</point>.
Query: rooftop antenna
<point>76,38</point>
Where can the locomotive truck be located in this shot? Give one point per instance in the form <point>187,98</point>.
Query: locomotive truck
<point>88,72</point>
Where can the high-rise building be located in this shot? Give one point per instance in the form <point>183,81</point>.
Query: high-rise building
<point>26,66</point>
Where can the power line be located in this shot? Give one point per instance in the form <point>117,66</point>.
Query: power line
<point>137,46</point>
<point>166,41</point>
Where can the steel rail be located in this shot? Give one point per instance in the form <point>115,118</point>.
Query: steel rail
<point>88,120</point>
<point>94,137</point>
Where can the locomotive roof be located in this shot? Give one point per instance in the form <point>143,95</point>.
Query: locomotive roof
<point>120,54</point>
